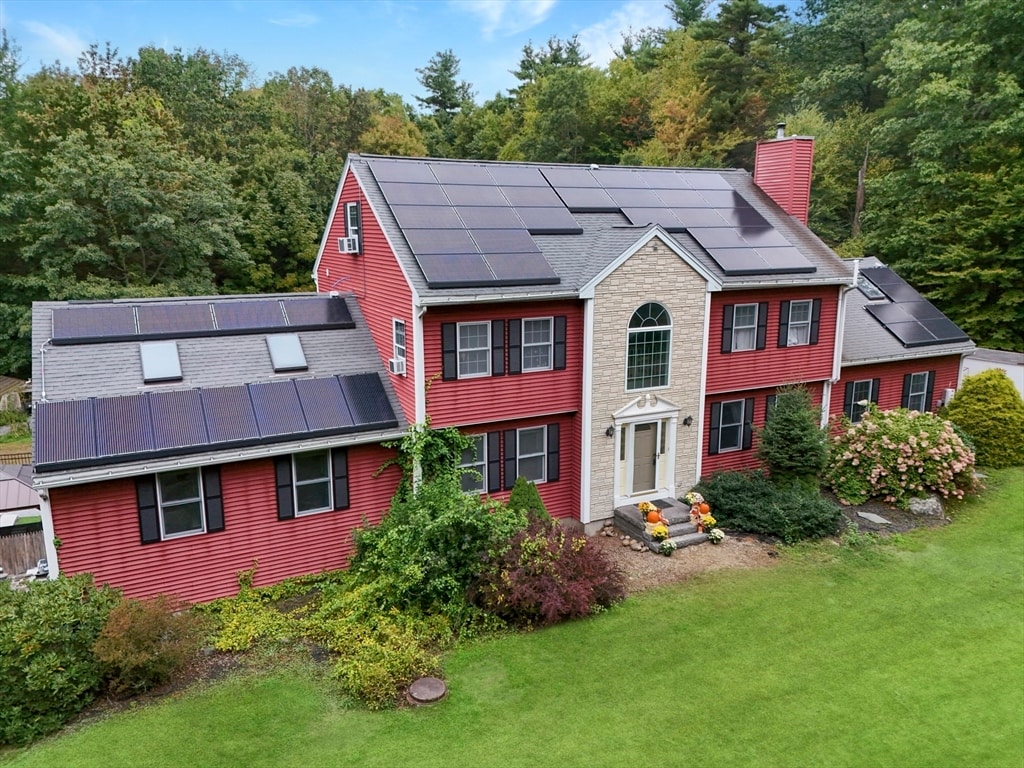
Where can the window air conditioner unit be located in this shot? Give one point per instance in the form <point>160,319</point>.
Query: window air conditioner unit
<point>348,245</point>
<point>397,366</point>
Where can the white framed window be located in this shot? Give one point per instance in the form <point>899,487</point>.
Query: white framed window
<point>311,482</point>
<point>917,392</point>
<point>537,344</point>
<point>353,225</point>
<point>180,503</point>
<point>860,398</point>
<point>531,453</point>
<point>799,333</point>
<point>649,347</point>
<point>744,327</point>
<point>730,429</point>
<point>474,349</point>
<point>160,361</point>
<point>474,465</point>
<point>398,339</point>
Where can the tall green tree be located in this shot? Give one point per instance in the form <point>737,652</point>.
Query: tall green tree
<point>446,96</point>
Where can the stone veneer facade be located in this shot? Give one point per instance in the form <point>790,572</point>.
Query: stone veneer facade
<point>654,273</point>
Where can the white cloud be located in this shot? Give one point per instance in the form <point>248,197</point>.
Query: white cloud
<point>56,43</point>
<point>601,40</point>
<point>506,17</point>
<point>297,20</point>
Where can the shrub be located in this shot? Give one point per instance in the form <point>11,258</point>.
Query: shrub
<point>526,498</point>
<point>792,445</point>
<point>47,668</point>
<point>547,575</point>
<point>750,502</point>
<point>144,642</point>
<point>897,455</point>
<point>989,408</point>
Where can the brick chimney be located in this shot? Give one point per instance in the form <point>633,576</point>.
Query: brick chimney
<point>782,168</point>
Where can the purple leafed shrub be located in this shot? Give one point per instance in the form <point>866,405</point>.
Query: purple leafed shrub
<point>548,575</point>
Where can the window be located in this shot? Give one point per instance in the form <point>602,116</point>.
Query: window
<point>474,464</point>
<point>286,352</point>
<point>649,348</point>
<point>474,349</point>
<point>160,361</point>
<point>353,221</point>
<point>398,339</point>
<point>869,289</point>
<point>184,502</point>
<point>917,391</point>
<point>530,452</point>
<point>531,456</point>
<point>731,428</point>
<point>315,481</point>
<point>857,396</point>
<point>744,326</point>
<point>798,322</point>
<point>537,344</point>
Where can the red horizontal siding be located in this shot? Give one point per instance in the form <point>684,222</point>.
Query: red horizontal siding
<point>742,459</point>
<point>771,366</point>
<point>890,388</point>
<point>471,401</point>
<point>782,168</point>
<point>376,279</point>
<point>98,526</point>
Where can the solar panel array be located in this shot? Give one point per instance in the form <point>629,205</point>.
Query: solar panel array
<point>912,319</point>
<point>472,224</point>
<point>111,430</point>
<point>91,324</point>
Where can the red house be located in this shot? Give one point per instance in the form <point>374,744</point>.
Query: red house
<point>610,333</point>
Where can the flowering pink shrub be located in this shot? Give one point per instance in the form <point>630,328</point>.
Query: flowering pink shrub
<point>897,455</point>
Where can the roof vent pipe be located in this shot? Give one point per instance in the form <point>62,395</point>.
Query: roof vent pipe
<point>780,130</point>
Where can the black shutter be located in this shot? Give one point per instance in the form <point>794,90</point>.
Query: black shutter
<point>339,476</point>
<point>905,400</point>
<point>848,400</point>
<point>449,352</point>
<point>876,384</point>
<point>784,324</point>
<point>493,462</point>
<point>510,458</point>
<point>553,462</point>
<point>283,481</point>
<point>515,346</point>
<point>149,518</point>
<point>716,423</point>
<point>769,406</point>
<point>748,422</point>
<point>559,362</point>
<point>727,314</point>
<point>213,501</point>
<point>762,324</point>
<point>929,386</point>
<point>497,348</point>
<point>815,320</point>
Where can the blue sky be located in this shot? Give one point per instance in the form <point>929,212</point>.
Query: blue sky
<point>360,42</point>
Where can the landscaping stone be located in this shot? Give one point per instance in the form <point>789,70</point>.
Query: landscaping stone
<point>427,690</point>
<point>930,506</point>
<point>636,546</point>
<point>872,517</point>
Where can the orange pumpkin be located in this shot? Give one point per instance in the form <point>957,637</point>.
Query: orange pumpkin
<point>654,516</point>
<point>705,508</point>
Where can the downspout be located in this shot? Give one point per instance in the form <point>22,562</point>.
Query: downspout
<point>702,394</point>
<point>42,369</point>
<point>586,431</point>
<point>837,352</point>
<point>49,539</point>
<point>419,368</point>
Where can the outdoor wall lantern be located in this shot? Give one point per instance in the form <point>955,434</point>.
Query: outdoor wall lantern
<point>688,421</point>
<point>610,432</point>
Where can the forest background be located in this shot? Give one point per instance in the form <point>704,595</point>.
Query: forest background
<point>174,173</point>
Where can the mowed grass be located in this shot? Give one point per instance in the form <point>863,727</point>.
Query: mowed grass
<point>908,654</point>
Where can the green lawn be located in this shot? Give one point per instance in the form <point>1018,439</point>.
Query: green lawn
<point>900,655</point>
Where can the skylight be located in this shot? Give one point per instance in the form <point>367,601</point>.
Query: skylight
<point>868,288</point>
<point>160,361</point>
<point>286,352</point>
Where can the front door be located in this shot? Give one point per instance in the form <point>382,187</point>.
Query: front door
<point>645,456</point>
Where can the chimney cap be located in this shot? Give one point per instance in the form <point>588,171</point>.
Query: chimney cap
<point>780,130</point>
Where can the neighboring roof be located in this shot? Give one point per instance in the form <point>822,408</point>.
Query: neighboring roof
<point>16,492</point>
<point>899,310</point>
<point>8,384</point>
<point>998,356</point>
<point>589,225</point>
<point>215,391</point>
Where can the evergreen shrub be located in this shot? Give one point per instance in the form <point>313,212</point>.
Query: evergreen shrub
<point>989,408</point>
<point>526,498</point>
<point>792,445</point>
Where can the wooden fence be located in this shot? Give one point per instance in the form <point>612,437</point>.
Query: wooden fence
<point>15,458</point>
<point>21,551</point>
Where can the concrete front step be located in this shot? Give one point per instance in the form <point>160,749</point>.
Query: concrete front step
<point>681,531</point>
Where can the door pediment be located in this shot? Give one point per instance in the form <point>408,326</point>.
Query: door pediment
<point>648,406</point>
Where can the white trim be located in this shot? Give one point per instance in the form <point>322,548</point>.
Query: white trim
<point>826,402</point>
<point>714,284</point>
<point>645,409</point>
<point>806,324</point>
<point>328,478</point>
<point>543,455</point>
<point>586,430</point>
<point>550,344</point>
<point>160,504</point>
<point>481,462</point>
<point>629,336</point>
<point>702,386</point>
<point>753,328</point>
<point>394,338</point>
<point>418,365</point>
<point>49,538</point>
<point>486,349</point>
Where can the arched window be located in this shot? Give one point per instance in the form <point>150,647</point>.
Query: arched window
<point>650,344</point>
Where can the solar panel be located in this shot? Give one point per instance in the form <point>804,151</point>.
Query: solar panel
<point>742,217</point>
<point>889,313</point>
<point>504,241</point>
<point>739,261</point>
<point>635,198</point>
<point>721,237</point>
<point>705,180</point>
<point>584,200</point>
<point>900,291</point>
<point>323,404</point>
<point>277,408</point>
<point>922,310</point>
<point>177,419</point>
<point>570,177</point>
<point>64,432</point>
<point>764,237</point>
<point>522,268</point>
<point>174,318</point>
<point>911,334</point>
<point>464,194</point>
<point>549,221</point>
<point>664,180</point>
<point>642,216</point>
<point>786,260</point>
<point>229,415</point>
<point>426,217</point>
<point>400,171</point>
<point>458,173</point>
<point>681,198</point>
<point>454,270</point>
<point>426,242</point>
<point>248,315</point>
<point>93,323</point>
<point>407,193</point>
<point>367,400</point>
<point>532,197</point>
<point>699,217</point>
<point>619,178</point>
<point>943,329</point>
<point>123,425</point>
<point>724,198</point>
<point>516,176</point>
<point>490,218</point>
<point>319,312</point>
